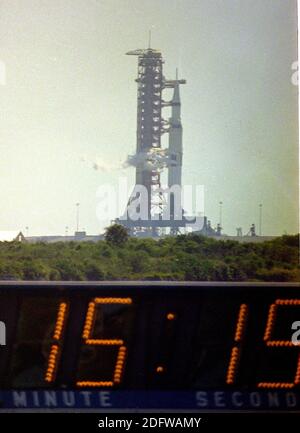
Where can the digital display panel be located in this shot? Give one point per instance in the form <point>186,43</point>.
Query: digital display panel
<point>180,338</point>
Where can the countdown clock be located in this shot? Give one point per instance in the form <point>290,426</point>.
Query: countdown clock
<point>149,344</point>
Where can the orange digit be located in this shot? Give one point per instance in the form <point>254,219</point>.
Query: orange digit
<point>279,343</point>
<point>235,352</point>
<point>87,337</point>
<point>55,347</point>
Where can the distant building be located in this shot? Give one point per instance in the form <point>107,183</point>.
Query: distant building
<point>79,236</point>
<point>11,236</point>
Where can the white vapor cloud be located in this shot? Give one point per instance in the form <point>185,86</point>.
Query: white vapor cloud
<point>103,166</point>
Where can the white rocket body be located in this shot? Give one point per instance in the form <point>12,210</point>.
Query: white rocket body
<point>175,141</point>
<point>175,157</point>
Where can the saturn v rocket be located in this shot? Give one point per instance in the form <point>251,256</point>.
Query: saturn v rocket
<point>175,140</point>
<point>175,150</point>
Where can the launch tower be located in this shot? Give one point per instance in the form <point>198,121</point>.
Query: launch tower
<point>155,211</point>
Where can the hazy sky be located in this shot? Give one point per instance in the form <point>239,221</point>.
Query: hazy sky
<point>70,100</point>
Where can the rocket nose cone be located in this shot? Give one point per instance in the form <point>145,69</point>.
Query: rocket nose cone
<point>176,95</point>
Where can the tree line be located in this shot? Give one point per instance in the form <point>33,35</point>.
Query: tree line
<point>120,257</point>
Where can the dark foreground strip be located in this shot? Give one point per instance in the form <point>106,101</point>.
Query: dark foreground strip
<point>133,422</point>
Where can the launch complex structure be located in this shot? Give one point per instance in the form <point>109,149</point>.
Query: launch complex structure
<point>153,210</point>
